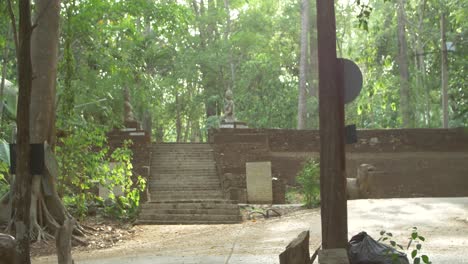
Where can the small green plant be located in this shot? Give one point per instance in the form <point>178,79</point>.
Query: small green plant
<point>415,239</point>
<point>309,180</point>
<point>293,195</point>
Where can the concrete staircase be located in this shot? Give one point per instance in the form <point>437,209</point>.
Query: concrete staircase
<point>185,189</point>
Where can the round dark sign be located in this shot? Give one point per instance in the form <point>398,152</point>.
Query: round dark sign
<point>352,80</point>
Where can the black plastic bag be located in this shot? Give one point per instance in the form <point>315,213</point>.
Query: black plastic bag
<point>363,249</point>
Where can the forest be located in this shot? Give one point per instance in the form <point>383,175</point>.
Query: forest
<point>177,59</point>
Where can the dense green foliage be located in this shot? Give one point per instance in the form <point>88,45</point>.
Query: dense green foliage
<point>86,165</point>
<point>179,57</point>
<point>309,180</point>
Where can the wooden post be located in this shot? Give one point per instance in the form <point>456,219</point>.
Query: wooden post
<point>297,252</point>
<point>331,109</point>
<point>63,242</point>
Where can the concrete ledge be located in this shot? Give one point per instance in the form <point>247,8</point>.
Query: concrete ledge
<point>333,256</point>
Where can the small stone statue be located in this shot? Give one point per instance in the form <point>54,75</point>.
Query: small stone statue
<point>128,109</point>
<point>229,108</point>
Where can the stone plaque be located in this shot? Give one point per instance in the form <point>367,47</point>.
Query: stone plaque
<point>259,182</point>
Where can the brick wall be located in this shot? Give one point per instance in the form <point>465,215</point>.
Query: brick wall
<point>401,152</point>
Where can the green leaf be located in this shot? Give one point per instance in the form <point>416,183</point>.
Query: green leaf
<point>425,258</point>
<point>414,235</point>
<point>414,253</point>
<point>421,238</point>
<point>393,243</point>
<point>417,260</point>
<point>418,246</point>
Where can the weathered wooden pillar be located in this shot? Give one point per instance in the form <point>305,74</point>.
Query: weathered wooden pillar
<point>332,140</point>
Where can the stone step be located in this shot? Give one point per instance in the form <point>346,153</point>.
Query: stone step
<point>178,144</point>
<point>173,175</point>
<point>184,170</point>
<point>175,185</point>
<point>175,182</point>
<point>189,177</point>
<point>192,211</point>
<point>194,222</point>
<point>182,166</point>
<point>184,173</point>
<point>176,197</point>
<point>182,151</point>
<point>182,158</point>
<point>192,194</point>
<point>163,152</point>
<point>181,146</point>
<point>187,150</point>
<point>183,161</point>
<point>157,189</point>
<point>181,187</point>
<point>221,204</point>
<point>190,217</point>
<point>188,201</point>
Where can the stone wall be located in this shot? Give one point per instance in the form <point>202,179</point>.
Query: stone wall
<point>141,148</point>
<point>400,153</point>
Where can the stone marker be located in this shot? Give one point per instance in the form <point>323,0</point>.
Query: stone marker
<point>7,248</point>
<point>352,189</point>
<point>333,256</point>
<point>297,252</point>
<point>259,182</point>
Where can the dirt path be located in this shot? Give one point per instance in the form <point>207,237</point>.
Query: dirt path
<point>443,221</point>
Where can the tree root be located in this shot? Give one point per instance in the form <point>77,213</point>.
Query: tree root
<point>44,223</point>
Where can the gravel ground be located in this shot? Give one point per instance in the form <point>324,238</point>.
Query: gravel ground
<point>443,221</point>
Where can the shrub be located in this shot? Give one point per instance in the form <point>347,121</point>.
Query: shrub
<point>309,180</point>
<point>86,163</point>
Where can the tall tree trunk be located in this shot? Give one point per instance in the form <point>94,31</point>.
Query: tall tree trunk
<point>303,66</point>
<point>313,69</point>
<point>22,185</point>
<point>421,64</point>
<point>444,71</point>
<point>208,78</point>
<point>227,34</point>
<point>68,96</point>
<point>44,58</point>
<point>2,83</point>
<point>41,121</point>
<point>403,67</point>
